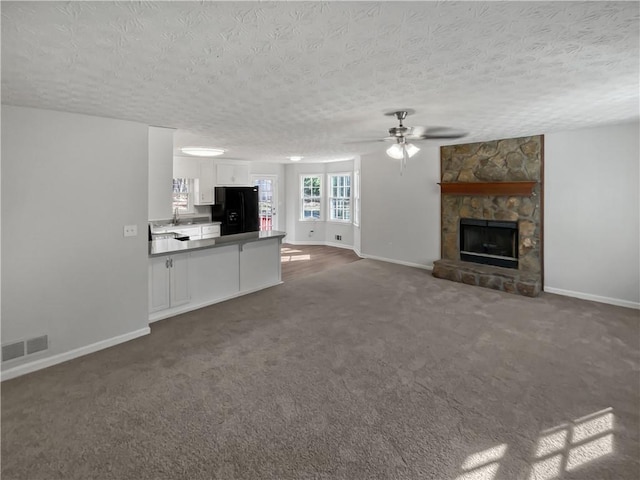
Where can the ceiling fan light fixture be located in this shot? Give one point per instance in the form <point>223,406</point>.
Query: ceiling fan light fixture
<point>396,152</point>
<point>202,151</point>
<point>411,149</point>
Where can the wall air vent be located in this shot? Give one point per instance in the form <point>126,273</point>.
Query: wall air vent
<point>19,349</point>
<point>37,344</point>
<point>12,350</point>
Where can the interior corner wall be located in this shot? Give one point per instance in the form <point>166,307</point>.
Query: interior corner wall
<point>400,220</point>
<point>592,214</point>
<point>319,232</point>
<point>69,185</point>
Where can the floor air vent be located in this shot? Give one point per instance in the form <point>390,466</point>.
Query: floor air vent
<point>24,347</point>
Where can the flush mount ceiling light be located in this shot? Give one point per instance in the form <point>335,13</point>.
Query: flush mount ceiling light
<point>295,158</point>
<point>202,151</point>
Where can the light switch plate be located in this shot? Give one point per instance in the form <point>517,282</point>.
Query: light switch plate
<point>130,230</point>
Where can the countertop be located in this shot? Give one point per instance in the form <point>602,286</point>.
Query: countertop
<point>168,246</point>
<point>185,224</point>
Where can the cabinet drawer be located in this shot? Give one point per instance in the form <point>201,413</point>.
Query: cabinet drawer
<point>213,230</point>
<point>192,231</point>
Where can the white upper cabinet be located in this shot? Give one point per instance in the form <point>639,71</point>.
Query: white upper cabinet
<point>185,167</point>
<point>160,172</point>
<point>205,182</point>
<point>232,173</point>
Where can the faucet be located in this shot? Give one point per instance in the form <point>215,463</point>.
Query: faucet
<point>176,216</point>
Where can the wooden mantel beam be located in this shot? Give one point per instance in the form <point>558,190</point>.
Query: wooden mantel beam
<point>488,188</point>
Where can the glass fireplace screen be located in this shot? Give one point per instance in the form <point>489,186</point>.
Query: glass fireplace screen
<point>489,242</point>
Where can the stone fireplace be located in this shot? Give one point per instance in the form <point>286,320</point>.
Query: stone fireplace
<point>492,214</point>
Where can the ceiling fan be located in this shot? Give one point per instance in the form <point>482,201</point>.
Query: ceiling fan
<point>401,136</point>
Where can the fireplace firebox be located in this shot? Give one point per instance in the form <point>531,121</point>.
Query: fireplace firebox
<point>489,242</point>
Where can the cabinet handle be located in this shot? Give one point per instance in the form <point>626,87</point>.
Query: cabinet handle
<point>171,262</point>
<point>166,263</point>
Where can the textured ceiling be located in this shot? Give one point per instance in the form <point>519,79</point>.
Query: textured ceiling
<point>271,79</point>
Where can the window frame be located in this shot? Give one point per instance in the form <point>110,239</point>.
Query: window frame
<point>190,200</point>
<point>355,193</point>
<point>319,197</point>
<point>330,197</point>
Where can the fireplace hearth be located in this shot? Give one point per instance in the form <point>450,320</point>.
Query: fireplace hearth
<point>489,242</point>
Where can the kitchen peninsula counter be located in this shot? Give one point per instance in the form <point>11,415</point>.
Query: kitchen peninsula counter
<point>191,274</point>
<point>168,246</point>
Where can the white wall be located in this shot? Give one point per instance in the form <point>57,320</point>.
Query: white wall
<point>401,213</point>
<point>315,231</point>
<point>160,172</point>
<point>69,185</point>
<point>592,213</point>
<point>592,231</point>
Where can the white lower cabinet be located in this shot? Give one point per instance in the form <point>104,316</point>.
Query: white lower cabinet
<point>259,264</point>
<point>214,274</point>
<point>194,233</point>
<point>182,282</point>
<point>168,282</point>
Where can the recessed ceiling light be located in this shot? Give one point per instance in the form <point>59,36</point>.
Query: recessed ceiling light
<point>202,151</point>
<point>295,158</point>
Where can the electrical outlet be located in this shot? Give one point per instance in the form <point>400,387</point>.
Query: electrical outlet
<point>130,230</point>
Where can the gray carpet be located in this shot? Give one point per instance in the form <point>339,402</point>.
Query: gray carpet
<point>366,371</point>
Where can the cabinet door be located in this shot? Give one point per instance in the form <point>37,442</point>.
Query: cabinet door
<point>159,272</point>
<point>210,231</point>
<point>232,174</point>
<point>179,280</point>
<point>206,181</point>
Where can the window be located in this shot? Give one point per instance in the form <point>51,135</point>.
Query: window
<point>182,188</point>
<point>340,197</point>
<point>310,196</point>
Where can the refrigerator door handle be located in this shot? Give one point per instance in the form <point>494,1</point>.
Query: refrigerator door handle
<point>242,216</point>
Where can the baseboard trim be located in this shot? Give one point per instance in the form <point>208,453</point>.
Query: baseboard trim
<point>399,262</point>
<point>339,245</point>
<point>326,244</point>
<point>164,314</point>
<point>594,298</point>
<point>70,355</point>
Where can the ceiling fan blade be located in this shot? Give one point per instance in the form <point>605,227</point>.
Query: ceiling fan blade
<point>363,141</point>
<point>433,133</point>
<point>386,139</point>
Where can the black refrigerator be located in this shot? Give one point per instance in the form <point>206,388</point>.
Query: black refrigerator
<point>237,209</point>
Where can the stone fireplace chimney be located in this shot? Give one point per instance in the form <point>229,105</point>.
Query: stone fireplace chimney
<point>493,181</point>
